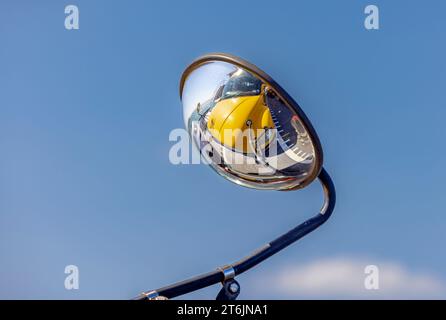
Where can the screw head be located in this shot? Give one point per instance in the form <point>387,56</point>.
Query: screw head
<point>234,287</point>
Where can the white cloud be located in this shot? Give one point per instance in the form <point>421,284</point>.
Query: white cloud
<point>341,278</point>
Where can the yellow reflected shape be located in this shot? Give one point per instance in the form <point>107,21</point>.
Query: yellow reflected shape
<point>228,121</point>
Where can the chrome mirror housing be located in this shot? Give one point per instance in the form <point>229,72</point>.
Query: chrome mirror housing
<point>246,127</point>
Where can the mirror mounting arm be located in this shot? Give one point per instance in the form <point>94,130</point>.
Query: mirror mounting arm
<point>258,256</point>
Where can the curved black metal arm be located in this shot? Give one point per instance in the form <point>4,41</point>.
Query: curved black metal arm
<point>258,256</point>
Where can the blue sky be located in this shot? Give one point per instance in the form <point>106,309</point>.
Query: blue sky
<point>85,177</point>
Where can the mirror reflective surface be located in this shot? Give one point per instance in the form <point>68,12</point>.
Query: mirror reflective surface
<point>244,129</point>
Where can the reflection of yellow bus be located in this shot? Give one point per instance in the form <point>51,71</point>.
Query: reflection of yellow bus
<point>241,106</point>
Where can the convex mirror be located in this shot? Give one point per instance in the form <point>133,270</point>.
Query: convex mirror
<point>246,127</point>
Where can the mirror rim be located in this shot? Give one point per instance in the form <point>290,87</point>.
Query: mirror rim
<point>288,100</point>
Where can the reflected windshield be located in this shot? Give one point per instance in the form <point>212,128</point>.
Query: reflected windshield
<point>241,84</point>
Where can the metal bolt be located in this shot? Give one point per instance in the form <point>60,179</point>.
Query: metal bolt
<point>234,287</point>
